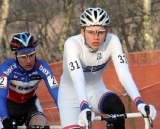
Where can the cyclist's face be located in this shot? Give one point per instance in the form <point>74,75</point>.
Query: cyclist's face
<point>94,36</point>
<point>26,60</point>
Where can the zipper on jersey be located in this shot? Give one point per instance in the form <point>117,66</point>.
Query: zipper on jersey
<point>25,81</point>
<point>91,68</point>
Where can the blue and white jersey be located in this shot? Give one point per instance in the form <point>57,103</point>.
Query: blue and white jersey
<point>19,86</point>
<point>83,69</point>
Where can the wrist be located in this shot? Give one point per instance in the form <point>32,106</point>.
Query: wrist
<point>84,105</point>
<point>7,124</point>
<point>138,100</point>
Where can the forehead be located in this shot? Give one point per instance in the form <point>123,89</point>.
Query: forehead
<point>96,27</point>
<point>24,53</point>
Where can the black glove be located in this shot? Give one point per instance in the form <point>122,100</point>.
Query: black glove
<point>7,124</point>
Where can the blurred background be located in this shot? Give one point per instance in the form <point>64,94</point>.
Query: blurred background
<point>135,22</point>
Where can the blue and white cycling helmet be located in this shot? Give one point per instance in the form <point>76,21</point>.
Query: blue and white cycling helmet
<point>94,16</point>
<point>23,42</point>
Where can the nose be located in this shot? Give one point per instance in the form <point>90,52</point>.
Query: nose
<point>28,60</point>
<point>96,36</point>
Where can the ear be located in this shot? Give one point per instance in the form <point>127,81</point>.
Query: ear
<point>106,30</point>
<point>82,31</point>
<point>14,55</point>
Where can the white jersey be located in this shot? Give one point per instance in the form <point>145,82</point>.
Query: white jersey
<point>83,69</point>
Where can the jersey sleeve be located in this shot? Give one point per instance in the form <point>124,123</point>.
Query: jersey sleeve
<point>72,60</point>
<point>122,69</point>
<point>50,82</point>
<point>3,91</point>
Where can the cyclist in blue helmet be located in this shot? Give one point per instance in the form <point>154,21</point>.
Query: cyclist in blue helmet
<point>19,77</point>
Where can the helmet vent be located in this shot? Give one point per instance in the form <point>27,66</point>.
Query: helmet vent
<point>95,14</point>
<point>89,18</point>
<point>103,16</point>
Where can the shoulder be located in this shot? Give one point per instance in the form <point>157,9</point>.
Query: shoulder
<point>114,44</point>
<point>8,66</point>
<point>43,67</point>
<point>74,40</point>
<point>9,63</point>
<point>74,43</point>
<point>39,63</point>
<point>112,39</point>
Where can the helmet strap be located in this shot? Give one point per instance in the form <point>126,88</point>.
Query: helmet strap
<point>89,48</point>
<point>18,62</point>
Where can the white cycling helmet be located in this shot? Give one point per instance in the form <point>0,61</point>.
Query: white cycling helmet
<point>94,16</point>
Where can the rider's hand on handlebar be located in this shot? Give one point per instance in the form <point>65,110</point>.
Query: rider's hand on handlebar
<point>7,124</point>
<point>152,110</point>
<point>82,118</point>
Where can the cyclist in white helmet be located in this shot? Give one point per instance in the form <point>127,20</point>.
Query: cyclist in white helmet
<point>85,59</point>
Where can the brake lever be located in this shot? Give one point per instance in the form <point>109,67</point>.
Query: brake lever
<point>89,119</point>
<point>148,112</point>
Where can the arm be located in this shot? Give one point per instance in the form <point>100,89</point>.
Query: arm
<point>125,77</point>
<point>51,83</point>
<point>3,96</point>
<point>74,67</point>
<point>4,85</point>
<point>52,86</point>
<point>122,70</point>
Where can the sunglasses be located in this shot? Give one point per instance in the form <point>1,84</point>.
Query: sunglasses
<point>27,56</point>
<point>93,32</point>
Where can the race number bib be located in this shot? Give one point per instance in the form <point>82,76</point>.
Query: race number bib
<point>52,81</point>
<point>3,82</point>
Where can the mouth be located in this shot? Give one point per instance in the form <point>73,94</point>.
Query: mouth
<point>95,44</point>
<point>28,66</point>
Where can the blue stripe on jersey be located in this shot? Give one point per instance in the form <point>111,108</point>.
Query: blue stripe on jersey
<point>94,68</point>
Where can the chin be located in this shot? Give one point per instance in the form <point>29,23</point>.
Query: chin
<point>95,48</point>
<point>28,69</point>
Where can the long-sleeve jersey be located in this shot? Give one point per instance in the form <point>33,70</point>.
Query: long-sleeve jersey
<point>83,69</point>
<point>19,86</point>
